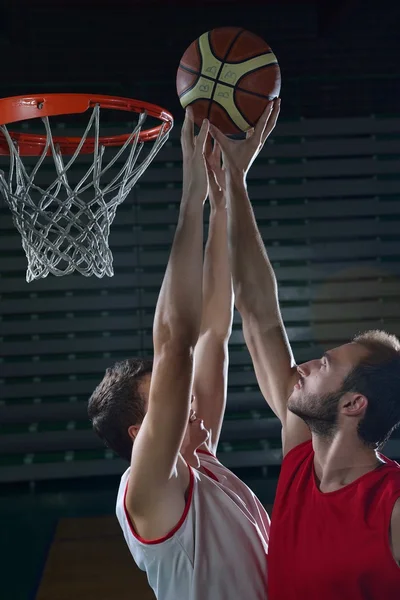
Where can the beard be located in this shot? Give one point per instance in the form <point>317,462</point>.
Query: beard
<point>320,413</point>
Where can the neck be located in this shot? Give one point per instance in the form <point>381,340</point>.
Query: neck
<point>191,457</point>
<point>341,460</point>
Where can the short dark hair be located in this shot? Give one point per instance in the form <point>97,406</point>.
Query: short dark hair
<point>377,377</point>
<point>117,403</point>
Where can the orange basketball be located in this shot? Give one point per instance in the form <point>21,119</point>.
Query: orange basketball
<point>228,76</point>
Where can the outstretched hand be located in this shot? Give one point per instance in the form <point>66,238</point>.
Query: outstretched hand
<point>239,155</point>
<point>195,175</point>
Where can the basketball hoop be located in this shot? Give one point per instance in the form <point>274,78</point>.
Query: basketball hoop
<point>66,228</point>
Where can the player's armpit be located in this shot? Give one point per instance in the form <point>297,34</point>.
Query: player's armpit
<point>167,510</point>
<point>156,488</point>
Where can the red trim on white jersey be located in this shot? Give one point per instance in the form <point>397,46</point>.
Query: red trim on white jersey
<point>209,473</point>
<point>206,452</point>
<point>177,526</point>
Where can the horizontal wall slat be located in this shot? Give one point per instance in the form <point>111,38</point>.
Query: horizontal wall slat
<point>318,272</point>
<point>70,325</point>
<point>347,290</point>
<point>43,411</point>
<point>319,251</point>
<point>302,127</point>
<point>325,291</point>
<point>323,188</point>
<point>63,470</point>
<point>332,127</point>
<point>130,344</point>
<point>313,230</point>
<point>309,168</point>
<point>37,365</point>
<point>77,411</point>
<point>91,468</point>
<point>316,251</point>
<point>44,389</point>
<point>333,312</point>
<point>70,440</point>
<point>319,333</point>
<point>141,278</point>
<point>72,304</point>
<point>49,441</point>
<point>309,147</point>
<point>70,367</point>
<point>40,387</point>
<point>312,210</point>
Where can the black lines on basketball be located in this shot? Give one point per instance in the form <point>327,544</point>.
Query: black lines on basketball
<point>246,47</point>
<point>223,59</point>
<point>221,41</point>
<point>250,108</point>
<point>220,114</point>
<point>228,75</point>
<point>266,78</point>
<point>189,70</point>
<point>201,108</point>
<point>238,62</point>
<point>188,79</point>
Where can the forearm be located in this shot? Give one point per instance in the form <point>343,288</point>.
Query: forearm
<point>254,280</point>
<point>211,354</point>
<point>217,279</point>
<point>178,312</point>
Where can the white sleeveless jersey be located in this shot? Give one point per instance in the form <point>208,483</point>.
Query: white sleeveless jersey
<point>217,551</point>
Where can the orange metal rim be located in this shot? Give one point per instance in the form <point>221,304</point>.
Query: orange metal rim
<point>22,108</point>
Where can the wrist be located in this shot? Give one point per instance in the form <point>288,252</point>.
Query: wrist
<point>217,198</point>
<point>193,195</point>
<point>235,176</point>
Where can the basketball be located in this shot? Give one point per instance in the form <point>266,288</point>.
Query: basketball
<point>228,75</point>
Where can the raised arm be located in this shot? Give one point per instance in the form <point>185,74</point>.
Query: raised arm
<point>158,479</point>
<point>255,286</point>
<point>211,353</point>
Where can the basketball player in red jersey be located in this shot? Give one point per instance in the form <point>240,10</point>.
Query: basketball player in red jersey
<point>190,523</point>
<point>335,529</point>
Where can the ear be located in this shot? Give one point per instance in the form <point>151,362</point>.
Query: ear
<point>133,430</point>
<point>353,405</point>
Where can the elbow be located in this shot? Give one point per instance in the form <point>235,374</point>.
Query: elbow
<point>174,337</point>
<point>259,322</point>
<point>215,337</point>
<point>257,299</point>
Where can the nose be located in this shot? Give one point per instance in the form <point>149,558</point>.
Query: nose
<point>304,369</point>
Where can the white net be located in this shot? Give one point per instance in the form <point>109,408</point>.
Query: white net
<point>65,228</point>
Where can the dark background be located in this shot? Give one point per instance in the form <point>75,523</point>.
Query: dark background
<point>338,269</point>
<point>337,58</point>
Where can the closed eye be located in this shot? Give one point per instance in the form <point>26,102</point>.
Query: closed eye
<point>326,360</point>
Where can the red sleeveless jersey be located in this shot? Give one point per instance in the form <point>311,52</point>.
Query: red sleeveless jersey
<point>332,546</point>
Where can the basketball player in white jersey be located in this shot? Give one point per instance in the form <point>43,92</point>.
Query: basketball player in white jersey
<point>192,525</point>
